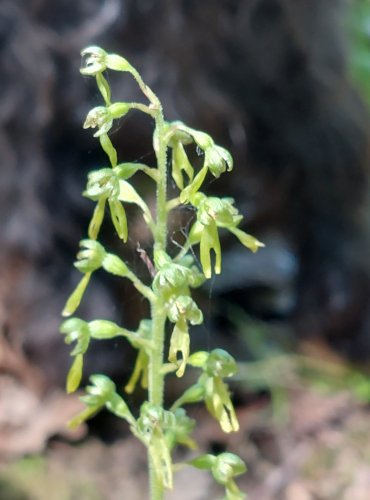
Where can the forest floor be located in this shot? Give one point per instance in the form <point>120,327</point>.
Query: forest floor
<point>303,440</point>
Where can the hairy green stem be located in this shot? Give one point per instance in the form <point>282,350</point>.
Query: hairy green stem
<point>159,315</point>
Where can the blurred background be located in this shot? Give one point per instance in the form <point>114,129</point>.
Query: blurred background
<point>285,85</point>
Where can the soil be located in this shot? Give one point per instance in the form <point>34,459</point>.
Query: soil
<point>320,450</point>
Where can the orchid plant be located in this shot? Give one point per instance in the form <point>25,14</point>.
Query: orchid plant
<point>169,290</point>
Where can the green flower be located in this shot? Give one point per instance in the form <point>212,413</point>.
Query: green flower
<point>95,61</point>
<point>211,388</point>
<point>76,330</point>
<point>220,363</point>
<point>100,118</point>
<point>171,278</point>
<point>103,185</point>
<point>90,257</point>
<point>182,311</point>
<point>217,160</point>
<point>213,213</point>
<point>98,60</point>
<point>102,393</point>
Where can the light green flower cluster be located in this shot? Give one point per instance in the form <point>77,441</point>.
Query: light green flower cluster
<point>169,290</point>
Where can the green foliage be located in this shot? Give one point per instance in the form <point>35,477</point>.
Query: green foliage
<point>169,293</point>
<point>359,27</point>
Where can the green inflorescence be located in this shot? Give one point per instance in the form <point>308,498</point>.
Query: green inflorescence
<point>169,293</point>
